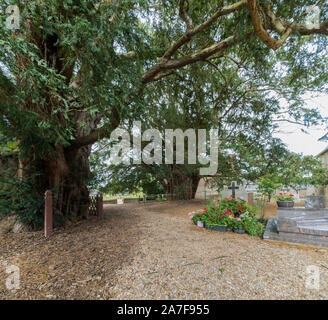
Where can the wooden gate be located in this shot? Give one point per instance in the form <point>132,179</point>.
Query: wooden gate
<point>96,206</point>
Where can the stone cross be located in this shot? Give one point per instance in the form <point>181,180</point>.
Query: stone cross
<point>233,187</point>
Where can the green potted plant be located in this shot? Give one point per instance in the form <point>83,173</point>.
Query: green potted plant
<point>200,217</point>
<point>216,223</point>
<point>285,201</point>
<point>253,227</point>
<point>238,225</point>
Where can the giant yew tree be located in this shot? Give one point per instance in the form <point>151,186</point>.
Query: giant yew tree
<point>76,69</point>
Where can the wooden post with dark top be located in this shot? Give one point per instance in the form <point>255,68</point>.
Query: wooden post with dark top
<point>100,208</point>
<point>48,214</point>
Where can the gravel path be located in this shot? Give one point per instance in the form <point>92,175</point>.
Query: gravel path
<point>154,251</point>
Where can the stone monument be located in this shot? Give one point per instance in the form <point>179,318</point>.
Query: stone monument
<point>120,200</point>
<point>236,190</point>
<point>305,225</point>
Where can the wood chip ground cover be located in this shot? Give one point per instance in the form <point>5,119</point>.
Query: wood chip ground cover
<point>154,251</point>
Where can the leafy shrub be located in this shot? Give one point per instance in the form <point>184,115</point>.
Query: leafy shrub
<point>233,213</point>
<point>22,198</point>
<point>253,227</point>
<point>235,206</point>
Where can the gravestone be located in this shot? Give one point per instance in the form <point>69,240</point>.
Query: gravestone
<point>239,191</point>
<point>233,188</point>
<point>315,202</point>
<point>304,225</point>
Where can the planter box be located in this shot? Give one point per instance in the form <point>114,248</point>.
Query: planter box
<point>285,204</point>
<point>216,227</point>
<point>240,231</point>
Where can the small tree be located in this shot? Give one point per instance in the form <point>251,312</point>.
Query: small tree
<point>267,188</point>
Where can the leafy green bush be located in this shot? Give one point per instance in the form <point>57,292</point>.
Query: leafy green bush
<point>233,213</point>
<point>235,206</point>
<point>22,198</point>
<point>253,227</point>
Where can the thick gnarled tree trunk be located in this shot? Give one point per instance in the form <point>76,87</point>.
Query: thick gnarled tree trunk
<point>66,173</point>
<point>181,186</point>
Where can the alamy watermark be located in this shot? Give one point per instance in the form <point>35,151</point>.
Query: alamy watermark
<point>313,16</point>
<point>12,282</point>
<point>13,20</point>
<point>313,277</point>
<point>122,152</point>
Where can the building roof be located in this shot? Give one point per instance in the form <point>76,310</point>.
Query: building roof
<point>323,152</point>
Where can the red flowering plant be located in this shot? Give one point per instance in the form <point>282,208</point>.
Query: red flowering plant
<point>234,206</point>
<point>251,225</point>
<point>211,215</point>
<point>237,223</point>
<point>285,197</point>
<point>200,215</point>
<point>230,212</point>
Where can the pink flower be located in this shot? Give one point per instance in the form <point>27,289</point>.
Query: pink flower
<point>221,217</point>
<point>238,219</point>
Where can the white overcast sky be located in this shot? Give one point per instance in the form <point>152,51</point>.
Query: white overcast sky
<point>300,142</point>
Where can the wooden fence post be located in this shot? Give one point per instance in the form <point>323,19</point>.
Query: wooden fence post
<point>48,214</point>
<point>100,207</point>
<point>251,198</point>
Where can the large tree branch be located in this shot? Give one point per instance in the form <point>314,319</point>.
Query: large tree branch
<point>190,59</point>
<point>192,32</point>
<point>162,68</point>
<point>93,137</point>
<point>280,25</point>
<point>260,30</point>
<point>184,16</point>
<point>166,64</point>
<point>284,28</point>
<point>171,64</point>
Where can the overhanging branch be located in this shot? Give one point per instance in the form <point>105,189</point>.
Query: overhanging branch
<point>261,32</point>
